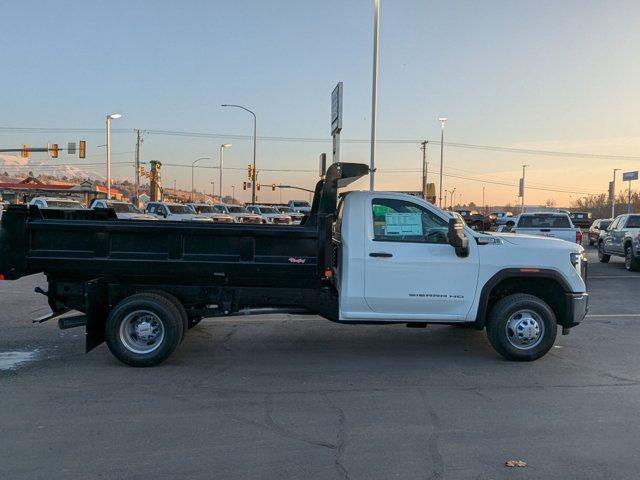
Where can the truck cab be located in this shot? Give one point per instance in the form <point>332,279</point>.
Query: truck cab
<point>123,210</point>
<point>622,239</point>
<point>175,212</point>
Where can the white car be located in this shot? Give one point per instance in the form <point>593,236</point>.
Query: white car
<point>208,210</point>
<point>296,217</point>
<point>300,206</point>
<point>175,212</point>
<point>503,218</point>
<point>548,224</point>
<point>124,210</point>
<point>238,213</point>
<point>57,203</point>
<point>270,214</point>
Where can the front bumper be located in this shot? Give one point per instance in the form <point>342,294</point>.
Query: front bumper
<point>577,308</point>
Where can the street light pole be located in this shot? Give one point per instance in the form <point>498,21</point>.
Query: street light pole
<point>253,180</point>
<point>233,193</point>
<point>112,116</point>
<point>222,147</point>
<point>613,194</point>
<point>213,192</point>
<point>374,94</point>
<point>193,192</point>
<point>442,120</point>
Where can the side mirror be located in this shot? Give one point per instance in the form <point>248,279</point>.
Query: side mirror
<point>457,238</point>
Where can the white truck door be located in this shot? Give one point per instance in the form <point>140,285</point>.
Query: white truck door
<point>411,271</point>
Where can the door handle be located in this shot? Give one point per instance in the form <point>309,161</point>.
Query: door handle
<point>381,254</point>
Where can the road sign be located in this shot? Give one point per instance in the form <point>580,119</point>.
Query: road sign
<point>71,148</point>
<point>628,176</point>
<point>336,109</point>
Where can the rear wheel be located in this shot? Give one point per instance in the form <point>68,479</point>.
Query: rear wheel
<point>179,307</point>
<point>144,329</point>
<point>631,263</point>
<point>602,257</point>
<point>521,327</point>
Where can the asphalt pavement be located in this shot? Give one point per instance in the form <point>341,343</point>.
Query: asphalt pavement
<point>281,396</point>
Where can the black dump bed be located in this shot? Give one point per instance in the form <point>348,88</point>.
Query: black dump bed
<point>85,245</point>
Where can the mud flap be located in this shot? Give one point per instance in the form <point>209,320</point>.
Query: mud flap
<point>97,309</point>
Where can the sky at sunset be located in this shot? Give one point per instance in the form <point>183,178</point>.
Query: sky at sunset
<point>559,76</point>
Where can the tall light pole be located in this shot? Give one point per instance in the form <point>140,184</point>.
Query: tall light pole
<point>111,116</point>
<point>613,193</point>
<point>522,207</point>
<point>213,192</point>
<point>222,147</point>
<point>233,193</point>
<point>193,192</point>
<point>442,121</point>
<point>253,180</point>
<point>452,192</point>
<point>374,94</point>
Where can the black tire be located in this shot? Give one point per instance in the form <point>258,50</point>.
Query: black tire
<point>498,331</point>
<point>178,304</point>
<point>631,263</point>
<point>156,310</point>
<point>602,257</point>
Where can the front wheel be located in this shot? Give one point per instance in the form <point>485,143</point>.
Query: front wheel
<point>602,257</point>
<point>631,263</point>
<point>521,327</point>
<point>144,329</point>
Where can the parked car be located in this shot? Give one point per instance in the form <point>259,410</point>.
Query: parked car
<point>503,218</point>
<point>238,213</point>
<point>622,239</point>
<point>300,206</point>
<point>124,210</point>
<point>581,219</point>
<point>57,203</point>
<point>474,219</point>
<point>596,229</point>
<point>548,224</point>
<point>209,210</point>
<point>175,211</point>
<point>270,214</point>
<point>296,217</point>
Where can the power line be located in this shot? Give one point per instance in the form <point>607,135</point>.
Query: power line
<point>494,148</point>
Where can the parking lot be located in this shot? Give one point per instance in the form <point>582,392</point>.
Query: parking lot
<point>284,396</point>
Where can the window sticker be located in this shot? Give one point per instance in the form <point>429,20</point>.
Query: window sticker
<point>403,224</point>
<point>380,210</point>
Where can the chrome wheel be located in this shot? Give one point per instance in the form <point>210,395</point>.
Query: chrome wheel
<point>525,329</point>
<point>141,332</point>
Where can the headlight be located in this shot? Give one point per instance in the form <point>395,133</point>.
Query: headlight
<point>576,258</point>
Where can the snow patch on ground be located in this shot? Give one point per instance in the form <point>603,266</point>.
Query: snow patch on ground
<point>12,360</point>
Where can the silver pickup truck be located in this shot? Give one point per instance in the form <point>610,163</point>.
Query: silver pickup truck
<point>548,224</point>
<point>622,239</point>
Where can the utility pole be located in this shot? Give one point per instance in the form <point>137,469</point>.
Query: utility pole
<point>522,192</point>
<point>137,167</point>
<point>424,168</point>
<point>484,206</point>
<point>613,194</point>
<point>213,192</point>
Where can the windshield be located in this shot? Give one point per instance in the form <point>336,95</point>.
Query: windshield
<point>634,221</point>
<point>236,209</point>
<point>301,204</point>
<point>268,210</point>
<point>544,221</point>
<point>604,224</point>
<point>204,209</point>
<point>63,204</point>
<point>123,207</point>
<point>179,209</point>
<point>285,209</point>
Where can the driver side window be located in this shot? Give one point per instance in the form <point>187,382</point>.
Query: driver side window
<point>403,221</point>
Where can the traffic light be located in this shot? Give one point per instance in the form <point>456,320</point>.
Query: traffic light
<point>250,172</point>
<point>273,187</point>
<point>54,150</point>
<point>257,186</point>
<point>82,153</point>
<point>25,151</point>
<point>244,185</point>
